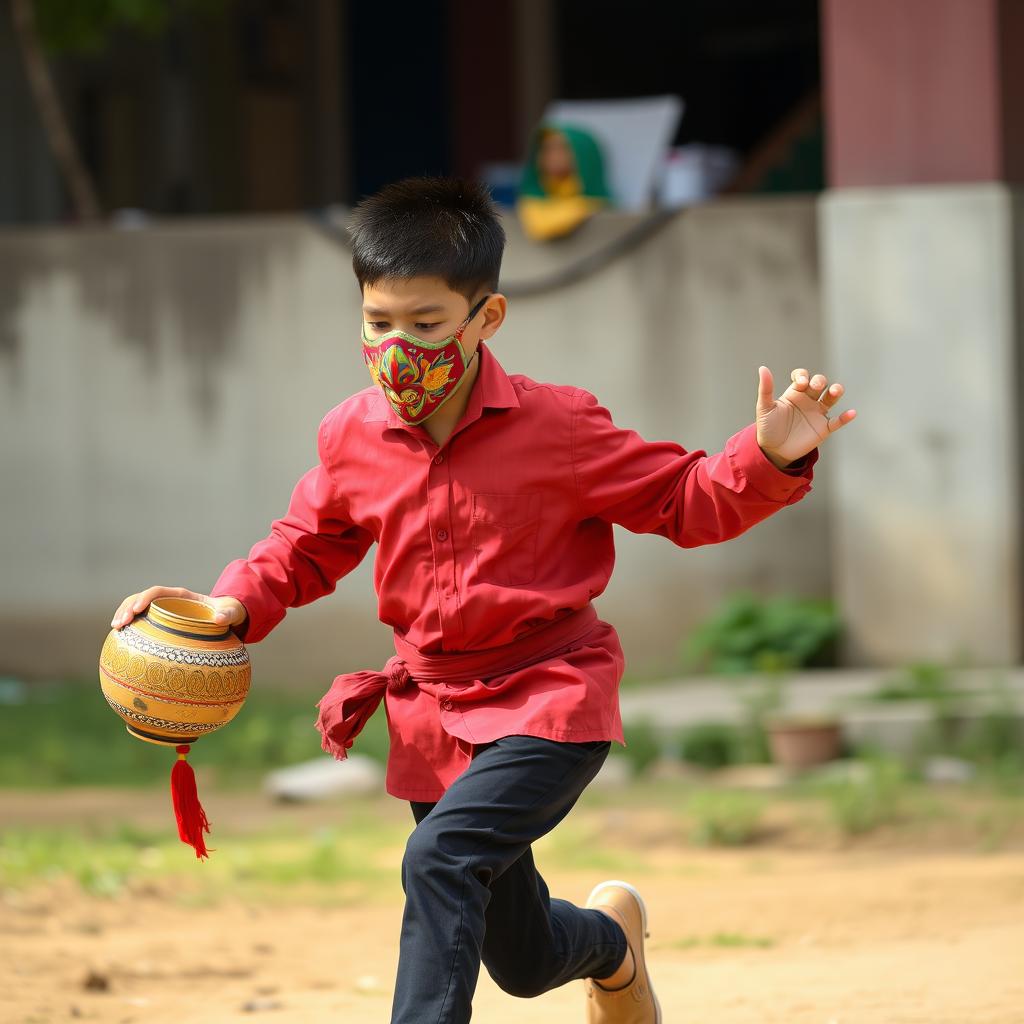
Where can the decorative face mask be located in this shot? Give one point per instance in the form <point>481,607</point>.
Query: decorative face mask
<point>417,376</point>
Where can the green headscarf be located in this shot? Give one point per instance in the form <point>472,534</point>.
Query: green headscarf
<point>589,161</point>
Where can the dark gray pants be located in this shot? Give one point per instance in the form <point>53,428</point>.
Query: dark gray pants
<point>472,892</point>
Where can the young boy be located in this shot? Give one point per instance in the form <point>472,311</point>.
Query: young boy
<point>491,499</point>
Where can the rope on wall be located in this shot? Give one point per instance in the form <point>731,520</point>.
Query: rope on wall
<point>326,222</point>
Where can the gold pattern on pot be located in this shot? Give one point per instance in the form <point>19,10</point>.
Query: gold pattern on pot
<point>173,674</point>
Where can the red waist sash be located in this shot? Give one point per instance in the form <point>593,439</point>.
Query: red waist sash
<point>355,696</point>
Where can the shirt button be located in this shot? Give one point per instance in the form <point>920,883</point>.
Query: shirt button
<point>447,705</point>
<point>442,534</point>
<point>438,459</point>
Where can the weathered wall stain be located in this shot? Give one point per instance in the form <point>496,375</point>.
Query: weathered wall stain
<point>186,283</point>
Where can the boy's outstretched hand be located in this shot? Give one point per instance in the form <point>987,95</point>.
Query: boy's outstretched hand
<point>790,426</point>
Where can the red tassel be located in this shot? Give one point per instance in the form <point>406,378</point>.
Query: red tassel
<point>187,808</point>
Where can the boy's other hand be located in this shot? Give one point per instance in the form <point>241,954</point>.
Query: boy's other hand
<point>797,422</point>
<point>227,610</point>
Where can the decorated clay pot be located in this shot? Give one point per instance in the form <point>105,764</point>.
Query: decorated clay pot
<point>173,674</point>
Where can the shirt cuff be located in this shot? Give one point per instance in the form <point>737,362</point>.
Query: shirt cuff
<point>782,485</point>
<point>264,611</point>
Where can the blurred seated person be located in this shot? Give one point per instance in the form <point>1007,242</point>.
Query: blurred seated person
<point>562,183</point>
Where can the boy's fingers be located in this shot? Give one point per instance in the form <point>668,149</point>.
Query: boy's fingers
<point>122,609</point>
<point>137,603</point>
<point>220,613</point>
<point>817,385</point>
<point>841,420</point>
<point>144,599</point>
<point>125,612</point>
<point>229,610</point>
<point>765,389</point>
<point>832,395</point>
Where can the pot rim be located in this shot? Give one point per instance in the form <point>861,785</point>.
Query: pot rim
<point>172,613</point>
<point>803,723</point>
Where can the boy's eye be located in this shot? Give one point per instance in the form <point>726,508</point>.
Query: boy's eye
<point>382,325</point>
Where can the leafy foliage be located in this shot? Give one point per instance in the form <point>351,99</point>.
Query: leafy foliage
<point>71,26</point>
<point>750,634</point>
<point>710,744</point>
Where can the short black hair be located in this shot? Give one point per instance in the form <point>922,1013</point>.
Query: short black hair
<point>436,226</point>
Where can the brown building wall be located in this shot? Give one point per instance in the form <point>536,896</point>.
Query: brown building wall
<point>922,91</point>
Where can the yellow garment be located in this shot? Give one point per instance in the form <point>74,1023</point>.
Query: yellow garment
<point>562,187</point>
<point>558,213</point>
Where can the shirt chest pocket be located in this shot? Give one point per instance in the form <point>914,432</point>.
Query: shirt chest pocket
<point>504,537</point>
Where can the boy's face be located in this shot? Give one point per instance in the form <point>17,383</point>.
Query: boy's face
<point>427,308</point>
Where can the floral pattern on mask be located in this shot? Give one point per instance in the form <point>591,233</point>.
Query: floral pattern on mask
<point>416,376</point>
<point>414,381</point>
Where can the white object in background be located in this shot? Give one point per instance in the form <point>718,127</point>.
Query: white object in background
<point>634,135</point>
<point>127,218</point>
<point>694,173</point>
<point>325,777</point>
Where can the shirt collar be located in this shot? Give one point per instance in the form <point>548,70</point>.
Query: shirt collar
<point>492,389</point>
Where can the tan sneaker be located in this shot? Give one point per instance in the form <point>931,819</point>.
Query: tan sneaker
<point>636,1003</point>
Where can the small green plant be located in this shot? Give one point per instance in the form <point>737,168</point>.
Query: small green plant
<point>643,747</point>
<point>931,683</point>
<point>759,703</point>
<point>710,744</point>
<point>724,817</point>
<point>920,680</point>
<point>993,740</point>
<point>859,805</point>
<point>752,634</point>
<point>997,736</point>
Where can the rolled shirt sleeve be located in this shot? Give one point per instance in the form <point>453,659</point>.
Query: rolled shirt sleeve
<point>307,551</point>
<point>690,497</point>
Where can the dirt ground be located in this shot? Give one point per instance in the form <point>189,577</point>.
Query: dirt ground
<point>881,933</point>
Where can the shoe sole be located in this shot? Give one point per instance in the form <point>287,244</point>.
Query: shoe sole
<point>643,924</point>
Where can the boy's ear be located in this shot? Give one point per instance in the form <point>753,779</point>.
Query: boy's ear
<point>494,314</point>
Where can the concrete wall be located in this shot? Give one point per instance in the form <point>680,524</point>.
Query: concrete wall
<point>160,391</point>
<point>923,291</point>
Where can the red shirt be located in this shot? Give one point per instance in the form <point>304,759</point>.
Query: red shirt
<point>505,527</point>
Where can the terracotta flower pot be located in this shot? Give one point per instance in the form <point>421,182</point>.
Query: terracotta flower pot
<point>804,742</point>
<point>173,674</point>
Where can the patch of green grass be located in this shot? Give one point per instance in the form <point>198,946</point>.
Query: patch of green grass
<point>1004,773</point>
<point>108,864</point>
<point>723,940</point>
<point>995,823</point>
<point>100,867</point>
<point>65,734</point>
<point>722,817</point>
<point>860,805</point>
<point>577,847</point>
